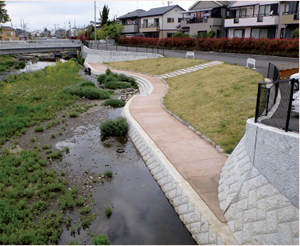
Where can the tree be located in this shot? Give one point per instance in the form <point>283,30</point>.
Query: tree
<point>102,32</point>
<point>211,34</point>
<point>295,33</point>
<point>4,17</point>
<point>104,15</point>
<point>114,30</point>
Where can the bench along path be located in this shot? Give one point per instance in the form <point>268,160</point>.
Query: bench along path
<point>199,163</point>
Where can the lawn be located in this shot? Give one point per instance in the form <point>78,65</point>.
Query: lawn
<point>157,66</point>
<point>217,101</point>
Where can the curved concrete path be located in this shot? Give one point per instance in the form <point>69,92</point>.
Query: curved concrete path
<point>199,163</point>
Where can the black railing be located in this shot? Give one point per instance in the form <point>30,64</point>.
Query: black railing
<point>150,25</point>
<point>85,43</point>
<point>280,111</point>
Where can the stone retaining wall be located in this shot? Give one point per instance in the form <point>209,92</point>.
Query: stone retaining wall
<point>256,211</point>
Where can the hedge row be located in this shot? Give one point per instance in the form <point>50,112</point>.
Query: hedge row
<point>263,46</point>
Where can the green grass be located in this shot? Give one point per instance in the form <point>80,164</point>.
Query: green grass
<point>6,62</point>
<point>114,103</point>
<point>157,66</point>
<point>109,174</point>
<point>100,239</point>
<point>216,100</point>
<point>39,129</point>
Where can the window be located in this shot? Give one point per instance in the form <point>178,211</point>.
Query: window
<point>259,32</point>
<point>169,35</point>
<point>145,23</point>
<point>170,20</point>
<point>179,20</point>
<point>239,33</point>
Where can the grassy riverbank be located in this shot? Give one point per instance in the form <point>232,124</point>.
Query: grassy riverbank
<point>216,100</point>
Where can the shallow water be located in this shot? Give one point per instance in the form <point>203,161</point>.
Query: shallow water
<point>142,214</point>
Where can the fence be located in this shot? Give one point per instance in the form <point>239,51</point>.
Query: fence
<point>115,47</point>
<point>276,106</point>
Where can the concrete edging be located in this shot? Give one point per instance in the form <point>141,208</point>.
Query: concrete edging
<point>192,210</point>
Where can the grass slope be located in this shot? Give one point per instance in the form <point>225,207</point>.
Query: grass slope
<point>157,66</point>
<point>216,100</point>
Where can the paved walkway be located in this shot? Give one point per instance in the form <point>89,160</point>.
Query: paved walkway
<point>199,163</point>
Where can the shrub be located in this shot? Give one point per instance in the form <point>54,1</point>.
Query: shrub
<point>86,83</point>
<point>180,35</point>
<point>100,239</point>
<point>108,211</point>
<point>114,103</point>
<point>108,72</point>
<point>20,65</point>
<point>87,92</point>
<point>73,114</point>
<point>109,174</point>
<point>109,78</point>
<point>117,85</point>
<point>39,129</point>
<point>101,78</point>
<point>118,127</point>
<point>295,33</point>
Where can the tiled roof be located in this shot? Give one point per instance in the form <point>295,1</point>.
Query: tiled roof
<point>136,13</point>
<point>159,11</point>
<point>7,28</point>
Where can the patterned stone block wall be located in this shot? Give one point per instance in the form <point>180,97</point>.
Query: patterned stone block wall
<point>203,225</point>
<point>256,211</point>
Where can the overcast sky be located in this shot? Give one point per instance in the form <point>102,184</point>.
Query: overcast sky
<point>38,15</point>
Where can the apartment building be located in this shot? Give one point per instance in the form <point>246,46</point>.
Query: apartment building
<point>262,19</point>
<point>204,16</point>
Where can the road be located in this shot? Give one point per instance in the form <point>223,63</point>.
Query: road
<point>261,61</point>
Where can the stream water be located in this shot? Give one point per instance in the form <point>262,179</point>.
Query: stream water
<point>142,214</point>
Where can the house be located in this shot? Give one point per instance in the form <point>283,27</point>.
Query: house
<point>204,16</point>
<point>289,18</point>
<point>257,19</point>
<point>7,34</point>
<point>131,22</point>
<point>160,22</point>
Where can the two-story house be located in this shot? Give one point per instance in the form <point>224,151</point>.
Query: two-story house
<point>131,22</point>
<point>257,19</point>
<point>204,16</point>
<point>289,18</point>
<point>160,22</point>
<point>7,33</point>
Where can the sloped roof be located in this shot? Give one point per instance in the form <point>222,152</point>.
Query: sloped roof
<point>7,28</point>
<point>221,3</point>
<point>160,10</point>
<point>136,13</point>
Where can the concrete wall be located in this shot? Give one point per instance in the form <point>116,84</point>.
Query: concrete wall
<point>100,56</point>
<point>251,191</point>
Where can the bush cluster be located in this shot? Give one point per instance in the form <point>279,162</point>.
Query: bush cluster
<point>88,90</point>
<point>118,127</point>
<point>263,46</point>
<point>114,103</point>
<point>116,81</point>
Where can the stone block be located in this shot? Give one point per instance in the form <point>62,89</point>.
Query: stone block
<point>188,218</point>
<point>259,227</point>
<point>254,183</point>
<point>177,201</point>
<point>256,240</point>
<point>239,236</point>
<point>286,214</point>
<point>249,215</point>
<point>163,181</point>
<point>252,199</point>
<point>242,205</point>
<point>166,187</point>
<point>195,228</point>
<point>270,239</point>
<point>285,234</point>
<point>244,193</point>
<point>273,202</point>
<point>272,221</point>
<point>261,209</point>
<point>203,225</point>
<point>182,209</point>
<point>263,191</point>
<point>233,188</point>
<point>295,228</point>
<point>247,233</point>
<point>219,241</point>
<point>232,211</point>
<point>203,238</point>
<point>185,199</point>
<point>238,225</point>
<point>171,194</point>
<point>197,215</point>
<point>296,241</point>
<point>285,202</point>
<point>231,225</point>
<point>191,207</point>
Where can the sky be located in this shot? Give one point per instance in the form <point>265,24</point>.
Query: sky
<point>38,15</point>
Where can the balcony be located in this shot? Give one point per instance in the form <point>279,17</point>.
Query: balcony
<point>150,27</point>
<point>252,20</point>
<point>208,21</point>
<point>289,18</point>
<point>131,28</point>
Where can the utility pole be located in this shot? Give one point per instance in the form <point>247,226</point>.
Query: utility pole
<point>95,23</point>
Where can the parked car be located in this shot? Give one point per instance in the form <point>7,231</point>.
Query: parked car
<point>296,77</point>
<point>295,103</point>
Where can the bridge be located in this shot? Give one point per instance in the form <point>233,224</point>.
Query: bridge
<point>40,46</point>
